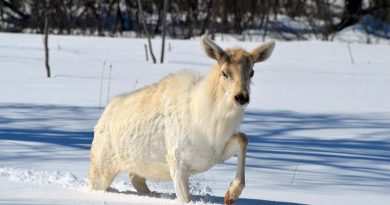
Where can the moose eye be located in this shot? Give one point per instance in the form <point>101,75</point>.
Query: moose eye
<point>252,73</point>
<point>224,74</point>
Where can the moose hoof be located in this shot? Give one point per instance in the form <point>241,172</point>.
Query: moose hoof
<point>228,200</point>
<point>234,191</point>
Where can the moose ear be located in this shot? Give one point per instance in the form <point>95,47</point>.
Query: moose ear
<point>263,52</point>
<point>213,50</point>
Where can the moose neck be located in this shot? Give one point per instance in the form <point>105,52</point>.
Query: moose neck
<point>212,110</point>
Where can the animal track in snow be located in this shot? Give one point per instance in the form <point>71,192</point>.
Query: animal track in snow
<point>66,180</point>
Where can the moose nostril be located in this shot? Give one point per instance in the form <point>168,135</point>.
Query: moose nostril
<point>241,99</point>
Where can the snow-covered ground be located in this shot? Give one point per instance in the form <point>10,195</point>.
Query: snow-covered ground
<point>318,125</point>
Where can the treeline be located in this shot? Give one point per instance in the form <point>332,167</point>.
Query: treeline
<point>285,19</point>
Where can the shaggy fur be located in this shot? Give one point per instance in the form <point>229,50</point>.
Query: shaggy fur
<point>178,127</point>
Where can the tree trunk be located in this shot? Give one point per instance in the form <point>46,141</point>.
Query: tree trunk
<point>225,21</point>
<point>351,14</point>
<point>98,18</point>
<point>156,28</point>
<point>238,18</point>
<point>141,15</point>
<point>212,20</point>
<point>163,30</point>
<point>118,19</point>
<point>133,15</point>
<point>11,5</point>
<point>206,20</point>
<point>188,23</point>
<point>266,21</point>
<point>1,13</point>
<point>46,42</point>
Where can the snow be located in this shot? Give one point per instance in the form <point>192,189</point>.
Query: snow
<point>318,124</point>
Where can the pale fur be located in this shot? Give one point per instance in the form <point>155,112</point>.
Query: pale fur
<point>178,127</point>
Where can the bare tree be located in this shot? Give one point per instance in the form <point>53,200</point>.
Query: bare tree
<point>163,30</point>
<point>141,15</point>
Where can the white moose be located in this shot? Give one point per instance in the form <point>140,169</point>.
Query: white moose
<point>178,127</point>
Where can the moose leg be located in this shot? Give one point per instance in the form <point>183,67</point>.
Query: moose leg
<point>100,177</point>
<point>180,179</point>
<point>238,142</point>
<point>101,170</point>
<point>139,183</point>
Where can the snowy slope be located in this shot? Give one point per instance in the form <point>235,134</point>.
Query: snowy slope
<point>319,126</point>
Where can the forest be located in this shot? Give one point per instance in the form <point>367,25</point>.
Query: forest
<point>280,19</point>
